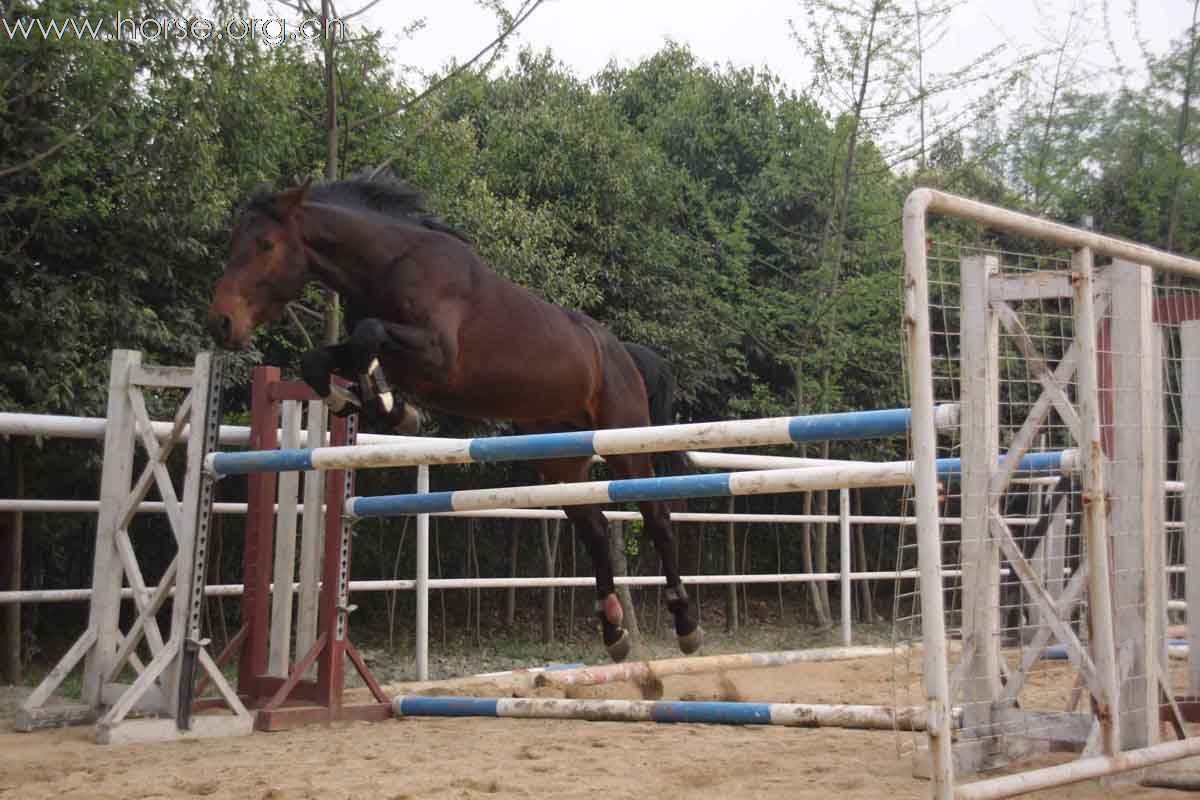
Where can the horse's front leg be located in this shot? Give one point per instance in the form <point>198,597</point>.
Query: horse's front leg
<point>358,359</point>
<point>317,368</point>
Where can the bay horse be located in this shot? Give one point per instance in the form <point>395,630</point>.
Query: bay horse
<point>431,320</point>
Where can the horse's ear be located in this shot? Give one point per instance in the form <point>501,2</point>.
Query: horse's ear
<point>291,200</point>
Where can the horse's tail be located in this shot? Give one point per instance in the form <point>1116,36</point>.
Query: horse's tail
<point>660,396</point>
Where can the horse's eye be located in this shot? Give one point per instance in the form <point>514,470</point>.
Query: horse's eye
<point>265,245</point>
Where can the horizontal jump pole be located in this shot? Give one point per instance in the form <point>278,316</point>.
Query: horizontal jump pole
<point>798,715</point>
<point>580,581</point>
<point>1083,769</point>
<point>579,444</point>
<point>679,487</point>
<point>530,670</point>
<point>158,507</point>
<point>645,670</point>
<point>57,426</point>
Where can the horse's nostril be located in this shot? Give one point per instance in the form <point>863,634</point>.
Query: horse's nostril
<point>226,327</point>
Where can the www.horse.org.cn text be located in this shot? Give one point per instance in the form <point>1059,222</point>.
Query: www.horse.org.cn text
<point>268,30</point>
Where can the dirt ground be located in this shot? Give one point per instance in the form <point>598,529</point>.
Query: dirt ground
<point>499,758</point>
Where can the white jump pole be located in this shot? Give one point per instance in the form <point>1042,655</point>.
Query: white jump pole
<point>54,426</point>
<point>638,671</point>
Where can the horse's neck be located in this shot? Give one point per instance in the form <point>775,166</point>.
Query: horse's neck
<point>336,249</point>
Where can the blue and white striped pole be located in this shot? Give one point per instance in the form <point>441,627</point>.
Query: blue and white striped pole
<point>806,479</point>
<point>801,715</point>
<point>657,439</point>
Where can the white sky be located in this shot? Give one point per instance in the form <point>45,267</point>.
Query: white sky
<point>586,34</point>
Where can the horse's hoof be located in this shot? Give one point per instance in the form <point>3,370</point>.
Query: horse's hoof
<point>690,642</point>
<point>619,649</point>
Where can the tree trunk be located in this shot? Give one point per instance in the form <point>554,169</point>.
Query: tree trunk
<point>437,557</point>
<point>10,664</point>
<point>920,87</point>
<point>616,551</point>
<point>822,556</point>
<point>1040,179</point>
<point>550,551</point>
<point>510,596</point>
<point>778,557</point>
<point>819,609</point>
<point>1181,129</point>
<point>865,590</point>
<point>571,591</point>
<point>731,568</point>
<point>333,312</point>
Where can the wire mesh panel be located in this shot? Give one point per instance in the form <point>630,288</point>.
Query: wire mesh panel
<point>1002,648</point>
<point>1059,496</point>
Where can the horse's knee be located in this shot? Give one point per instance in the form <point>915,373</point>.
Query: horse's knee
<point>315,368</point>
<point>369,334</point>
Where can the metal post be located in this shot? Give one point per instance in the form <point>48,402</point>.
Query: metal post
<point>929,543</point>
<point>1101,637</point>
<point>422,580</point>
<point>1189,457</point>
<point>844,524</point>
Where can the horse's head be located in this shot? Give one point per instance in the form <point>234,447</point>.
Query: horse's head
<point>267,268</point>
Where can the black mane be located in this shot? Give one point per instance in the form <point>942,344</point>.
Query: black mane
<point>383,194</point>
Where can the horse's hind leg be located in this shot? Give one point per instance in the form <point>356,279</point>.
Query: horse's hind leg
<point>592,529</point>
<point>656,518</point>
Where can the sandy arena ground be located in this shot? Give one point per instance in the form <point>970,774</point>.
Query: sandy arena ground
<point>498,758</point>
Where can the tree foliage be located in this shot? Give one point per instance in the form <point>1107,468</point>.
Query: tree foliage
<point>746,230</point>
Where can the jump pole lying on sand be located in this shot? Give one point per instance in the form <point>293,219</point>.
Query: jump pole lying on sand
<point>643,670</point>
<point>616,441</point>
<point>798,715</point>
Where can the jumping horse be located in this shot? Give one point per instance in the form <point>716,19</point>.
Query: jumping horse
<point>430,321</point>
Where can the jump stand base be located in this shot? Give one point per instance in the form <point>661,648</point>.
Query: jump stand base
<point>282,719</point>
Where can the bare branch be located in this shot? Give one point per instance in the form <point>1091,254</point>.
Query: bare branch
<point>299,326</point>
<point>298,306</point>
<point>380,168</point>
<point>523,14</point>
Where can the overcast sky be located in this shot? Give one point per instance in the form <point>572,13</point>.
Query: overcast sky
<point>586,34</point>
